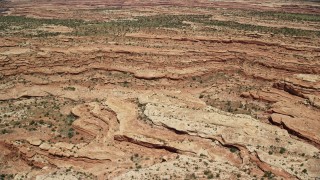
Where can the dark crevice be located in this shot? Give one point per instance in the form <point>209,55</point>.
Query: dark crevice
<point>299,135</point>
<point>175,130</point>
<point>146,144</point>
<point>294,133</point>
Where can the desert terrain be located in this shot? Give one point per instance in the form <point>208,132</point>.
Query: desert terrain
<point>159,89</point>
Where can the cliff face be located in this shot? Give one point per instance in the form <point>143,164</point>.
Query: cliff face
<point>160,89</point>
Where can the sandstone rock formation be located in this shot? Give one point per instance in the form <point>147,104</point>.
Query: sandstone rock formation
<point>159,90</point>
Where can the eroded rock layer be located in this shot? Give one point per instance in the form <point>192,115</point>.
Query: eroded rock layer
<point>159,90</point>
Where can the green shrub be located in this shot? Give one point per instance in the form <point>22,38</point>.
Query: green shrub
<point>233,149</point>
<point>70,133</point>
<point>282,150</point>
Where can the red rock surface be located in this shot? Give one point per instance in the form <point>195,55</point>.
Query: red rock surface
<point>188,100</point>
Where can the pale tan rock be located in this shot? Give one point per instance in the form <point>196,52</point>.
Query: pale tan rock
<point>45,146</point>
<point>35,142</point>
<point>64,145</point>
<point>16,51</point>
